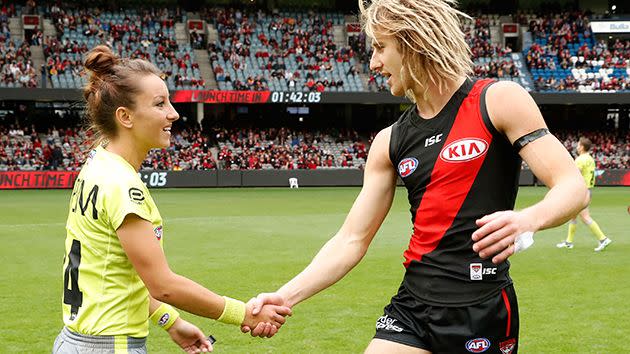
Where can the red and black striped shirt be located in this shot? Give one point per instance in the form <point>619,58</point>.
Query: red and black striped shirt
<point>457,168</point>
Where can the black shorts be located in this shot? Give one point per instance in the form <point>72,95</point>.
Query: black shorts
<point>487,327</point>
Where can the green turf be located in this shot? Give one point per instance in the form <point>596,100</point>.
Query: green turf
<point>240,242</point>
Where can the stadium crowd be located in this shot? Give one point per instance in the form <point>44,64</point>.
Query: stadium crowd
<point>287,149</point>
<point>241,149</point>
<point>491,60</point>
<point>147,34</point>
<point>16,66</point>
<point>564,56</point>
<point>608,150</point>
<point>27,148</point>
<point>294,51</point>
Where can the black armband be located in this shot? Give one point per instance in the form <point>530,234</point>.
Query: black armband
<point>528,138</point>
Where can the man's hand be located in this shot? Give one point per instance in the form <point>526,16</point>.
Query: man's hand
<point>497,233</point>
<point>190,338</point>
<point>257,304</point>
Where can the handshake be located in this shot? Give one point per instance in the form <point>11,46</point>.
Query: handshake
<point>265,314</point>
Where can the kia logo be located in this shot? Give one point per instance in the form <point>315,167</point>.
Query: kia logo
<point>463,150</point>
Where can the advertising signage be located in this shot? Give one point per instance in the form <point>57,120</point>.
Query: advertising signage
<point>291,97</point>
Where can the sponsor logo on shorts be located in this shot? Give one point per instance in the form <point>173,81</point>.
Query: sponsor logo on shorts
<point>478,345</point>
<point>164,319</point>
<point>477,271</point>
<point>136,195</point>
<point>463,150</point>
<point>388,324</point>
<point>508,346</point>
<point>407,166</point>
<point>158,232</point>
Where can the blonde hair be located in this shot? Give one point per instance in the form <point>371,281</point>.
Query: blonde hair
<point>429,36</point>
<point>113,83</point>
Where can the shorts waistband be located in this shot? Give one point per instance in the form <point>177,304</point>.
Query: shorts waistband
<point>103,342</point>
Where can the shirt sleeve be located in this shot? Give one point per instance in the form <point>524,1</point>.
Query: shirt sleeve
<point>127,197</point>
<point>580,164</point>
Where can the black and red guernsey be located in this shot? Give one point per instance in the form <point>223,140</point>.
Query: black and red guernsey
<point>457,168</point>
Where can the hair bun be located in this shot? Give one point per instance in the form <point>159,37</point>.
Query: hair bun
<point>101,60</point>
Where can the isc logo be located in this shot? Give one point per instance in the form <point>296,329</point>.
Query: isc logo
<point>433,140</point>
<point>463,150</point>
<point>407,166</point>
<point>478,345</point>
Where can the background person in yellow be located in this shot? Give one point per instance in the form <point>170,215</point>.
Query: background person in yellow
<point>116,276</point>
<point>586,164</point>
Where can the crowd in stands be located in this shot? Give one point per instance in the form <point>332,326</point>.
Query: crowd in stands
<point>564,56</point>
<point>295,50</point>
<point>376,82</point>
<point>241,149</point>
<point>248,149</point>
<point>16,66</point>
<point>490,60</point>
<point>26,148</point>
<point>256,50</point>
<point>7,9</point>
<point>189,150</point>
<point>608,150</point>
<point>146,33</point>
<point>280,51</point>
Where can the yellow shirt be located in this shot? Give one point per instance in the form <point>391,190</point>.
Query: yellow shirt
<point>103,294</point>
<point>586,164</point>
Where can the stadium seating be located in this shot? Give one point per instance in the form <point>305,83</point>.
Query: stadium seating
<point>246,149</point>
<point>281,51</point>
<point>608,150</point>
<point>565,57</point>
<point>286,149</point>
<point>16,66</point>
<point>134,34</point>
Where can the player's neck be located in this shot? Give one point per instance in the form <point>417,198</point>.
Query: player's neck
<point>126,149</point>
<point>430,105</point>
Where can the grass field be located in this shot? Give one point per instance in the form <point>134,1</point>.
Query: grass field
<point>239,242</point>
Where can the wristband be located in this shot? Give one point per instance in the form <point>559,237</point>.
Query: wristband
<point>165,316</point>
<point>523,241</point>
<point>233,312</point>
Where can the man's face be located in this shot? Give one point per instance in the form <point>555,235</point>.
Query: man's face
<point>387,59</point>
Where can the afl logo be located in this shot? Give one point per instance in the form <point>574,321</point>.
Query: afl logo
<point>463,150</point>
<point>478,345</point>
<point>407,166</point>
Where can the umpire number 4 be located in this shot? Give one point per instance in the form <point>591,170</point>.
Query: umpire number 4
<point>73,296</point>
